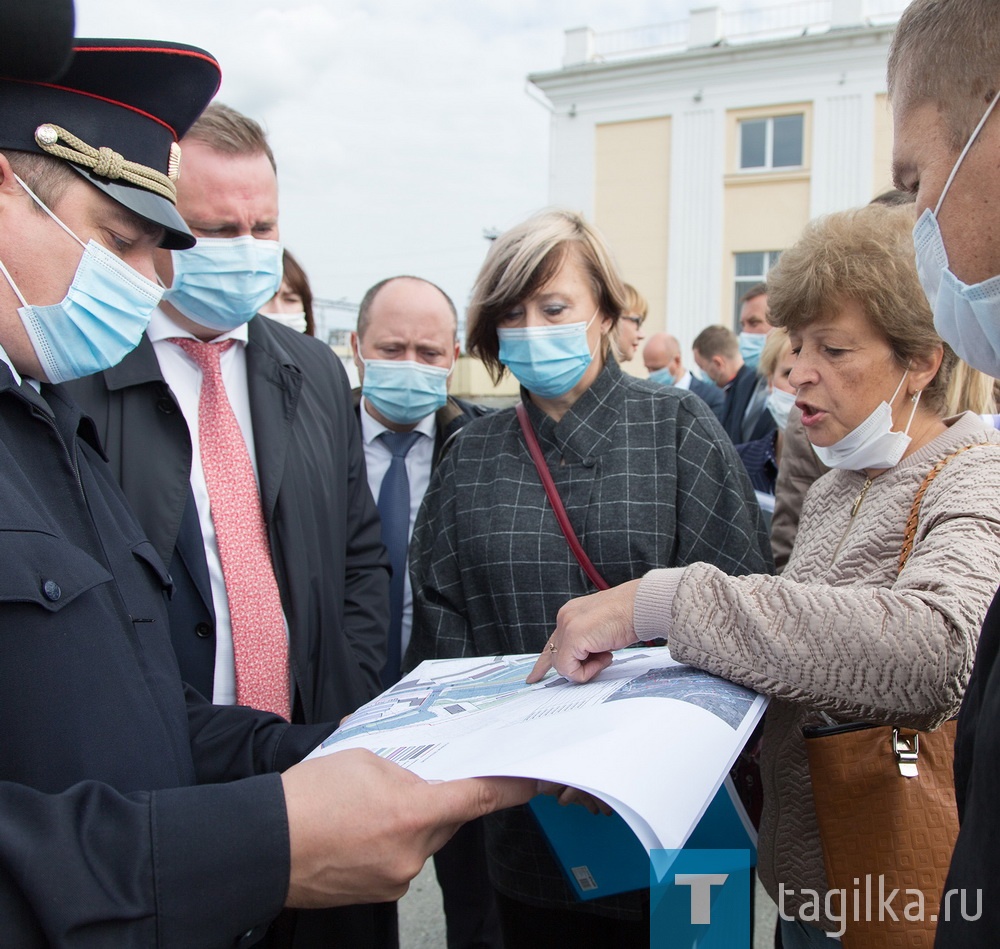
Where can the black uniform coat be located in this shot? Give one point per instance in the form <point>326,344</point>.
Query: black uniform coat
<point>105,839</point>
<point>323,526</point>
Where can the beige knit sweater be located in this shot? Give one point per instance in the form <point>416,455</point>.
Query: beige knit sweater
<point>839,632</point>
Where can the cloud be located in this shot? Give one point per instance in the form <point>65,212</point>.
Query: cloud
<point>401,130</point>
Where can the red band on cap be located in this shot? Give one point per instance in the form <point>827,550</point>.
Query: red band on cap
<point>121,105</point>
<point>151,49</point>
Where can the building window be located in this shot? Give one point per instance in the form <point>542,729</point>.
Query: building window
<point>774,142</point>
<point>751,269</point>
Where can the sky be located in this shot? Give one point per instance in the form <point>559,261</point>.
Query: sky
<point>401,129</point>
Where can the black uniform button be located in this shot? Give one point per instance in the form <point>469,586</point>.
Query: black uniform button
<point>166,405</point>
<point>51,590</point>
<point>203,630</point>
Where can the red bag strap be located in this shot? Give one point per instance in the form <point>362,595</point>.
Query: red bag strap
<point>535,450</point>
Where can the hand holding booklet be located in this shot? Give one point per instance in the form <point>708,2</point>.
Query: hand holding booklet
<point>652,738</point>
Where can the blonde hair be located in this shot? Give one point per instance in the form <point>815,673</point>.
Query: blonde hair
<point>774,349</point>
<point>969,390</point>
<point>635,303</point>
<point>527,257</point>
<point>864,256</point>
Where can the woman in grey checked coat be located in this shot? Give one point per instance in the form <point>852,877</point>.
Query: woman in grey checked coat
<point>647,477</point>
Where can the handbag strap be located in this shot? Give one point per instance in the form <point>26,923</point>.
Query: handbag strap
<point>911,522</point>
<point>535,450</point>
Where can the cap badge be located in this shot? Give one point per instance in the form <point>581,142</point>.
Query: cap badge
<point>174,162</point>
<point>105,162</point>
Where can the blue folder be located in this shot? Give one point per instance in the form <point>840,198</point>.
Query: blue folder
<point>601,856</point>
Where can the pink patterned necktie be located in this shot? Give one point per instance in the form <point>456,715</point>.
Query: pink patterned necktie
<point>260,646</point>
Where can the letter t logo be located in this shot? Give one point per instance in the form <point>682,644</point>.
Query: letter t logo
<point>701,893</point>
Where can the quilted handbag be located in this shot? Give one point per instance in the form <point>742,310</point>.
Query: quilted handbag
<point>885,803</point>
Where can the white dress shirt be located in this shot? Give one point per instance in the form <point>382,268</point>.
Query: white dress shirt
<point>183,376</point>
<point>418,471</point>
<point>684,382</point>
<point>13,371</point>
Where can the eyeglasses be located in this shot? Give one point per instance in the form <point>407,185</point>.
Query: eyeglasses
<point>638,320</point>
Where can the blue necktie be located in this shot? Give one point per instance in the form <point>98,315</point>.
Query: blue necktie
<point>394,509</point>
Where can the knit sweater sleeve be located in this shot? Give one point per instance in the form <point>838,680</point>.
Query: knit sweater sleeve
<point>858,642</point>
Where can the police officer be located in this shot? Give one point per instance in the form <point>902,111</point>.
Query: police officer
<point>133,812</point>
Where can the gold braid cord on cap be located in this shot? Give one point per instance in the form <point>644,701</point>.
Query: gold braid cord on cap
<point>104,162</point>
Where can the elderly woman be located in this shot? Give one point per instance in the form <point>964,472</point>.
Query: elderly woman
<point>842,631</point>
<point>647,479</point>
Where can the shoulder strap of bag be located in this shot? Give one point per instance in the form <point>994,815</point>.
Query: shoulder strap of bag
<point>535,450</point>
<point>911,522</point>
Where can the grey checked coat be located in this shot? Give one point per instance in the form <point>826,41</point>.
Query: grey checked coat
<point>648,478</point>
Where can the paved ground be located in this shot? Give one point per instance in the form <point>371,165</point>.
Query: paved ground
<point>421,921</point>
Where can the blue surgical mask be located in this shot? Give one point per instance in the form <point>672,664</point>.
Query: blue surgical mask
<point>100,320</point>
<point>222,282</point>
<point>779,404</point>
<point>663,376</point>
<point>403,391</point>
<point>751,345</point>
<point>547,360</point>
<point>966,317</point>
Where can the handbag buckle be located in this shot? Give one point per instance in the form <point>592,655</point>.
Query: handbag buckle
<point>906,751</point>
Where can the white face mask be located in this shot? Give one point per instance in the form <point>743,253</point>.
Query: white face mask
<point>873,444</point>
<point>294,321</point>
<point>966,317</point>
<point>779,404</point>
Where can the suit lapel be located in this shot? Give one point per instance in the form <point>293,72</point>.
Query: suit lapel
<point>274,384</point>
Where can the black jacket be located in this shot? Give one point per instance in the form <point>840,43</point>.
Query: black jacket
<point>738,396</point>
<point>974,878</point>
<point>326,546</point>
<point>111,830</point>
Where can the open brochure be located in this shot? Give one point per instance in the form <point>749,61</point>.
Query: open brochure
<point>651,737</point>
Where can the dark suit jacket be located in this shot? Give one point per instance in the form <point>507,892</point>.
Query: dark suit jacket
<point>710,394</point>
<point>738,395</point>
<point>330,565</point>
<point>975,863</point>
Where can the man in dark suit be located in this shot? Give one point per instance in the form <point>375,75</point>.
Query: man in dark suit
<point>744,417</point>
<point>662,356</point>
<point>405,348</point>
<point>303,632</point>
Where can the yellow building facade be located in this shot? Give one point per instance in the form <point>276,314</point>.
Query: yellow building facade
<point>701,148</point>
